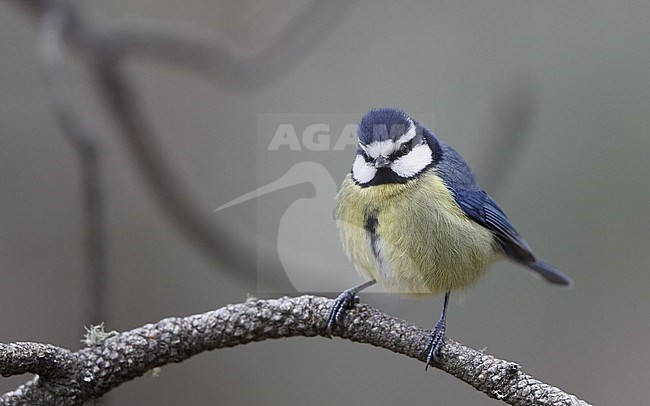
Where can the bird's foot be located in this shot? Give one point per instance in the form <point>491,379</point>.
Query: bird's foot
<point>343,303</point>
<point>435,342</point>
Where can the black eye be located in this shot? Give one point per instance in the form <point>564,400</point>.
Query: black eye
<point>365,156</point>
<point>405,148</point>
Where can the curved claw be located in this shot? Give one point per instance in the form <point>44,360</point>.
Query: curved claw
<point>344,302</point>
<point>434,342</point>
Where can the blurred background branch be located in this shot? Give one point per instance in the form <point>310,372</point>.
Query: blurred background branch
<point>105,46</point>
<point>79,131</point>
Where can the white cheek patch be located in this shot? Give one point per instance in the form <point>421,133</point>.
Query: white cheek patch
<point>413,162</point>
<point>362,171</point>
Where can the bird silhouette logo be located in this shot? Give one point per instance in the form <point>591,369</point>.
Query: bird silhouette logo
<point>308,243</point>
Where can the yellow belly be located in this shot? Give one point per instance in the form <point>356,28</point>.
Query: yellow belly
<point>425,244</point>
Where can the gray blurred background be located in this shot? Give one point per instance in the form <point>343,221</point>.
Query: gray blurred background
<point>548,101</point>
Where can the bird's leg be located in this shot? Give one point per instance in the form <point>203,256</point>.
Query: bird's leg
<point>437,334</point>
<point>345,301</point>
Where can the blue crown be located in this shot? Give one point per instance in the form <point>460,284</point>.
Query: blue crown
<point>383,124</point>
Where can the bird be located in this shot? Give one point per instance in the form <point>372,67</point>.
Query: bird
<point>413,219</point>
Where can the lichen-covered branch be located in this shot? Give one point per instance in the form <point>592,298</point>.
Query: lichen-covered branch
<point>43,359</point>
<point>84,376</point>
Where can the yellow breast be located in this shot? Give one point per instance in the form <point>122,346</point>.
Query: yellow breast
<point>422,243</point>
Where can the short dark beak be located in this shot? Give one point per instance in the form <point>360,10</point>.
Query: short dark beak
<point>382,162</point>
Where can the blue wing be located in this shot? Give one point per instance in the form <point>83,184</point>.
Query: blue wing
<point>480,207</point>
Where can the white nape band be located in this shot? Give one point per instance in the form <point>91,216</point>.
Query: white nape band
<point>413,162</point>
<point>362,171</point>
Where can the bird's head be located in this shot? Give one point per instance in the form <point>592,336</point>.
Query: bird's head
<point>392,149</point>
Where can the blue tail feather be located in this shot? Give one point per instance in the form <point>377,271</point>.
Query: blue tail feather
<point>549,273</point>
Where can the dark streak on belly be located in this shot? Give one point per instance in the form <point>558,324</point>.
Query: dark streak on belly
<point>371,230</point>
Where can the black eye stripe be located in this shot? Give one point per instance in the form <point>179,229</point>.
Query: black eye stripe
<point>401,151</point>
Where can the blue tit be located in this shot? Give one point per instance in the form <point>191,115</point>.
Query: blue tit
<point>412,218</point>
